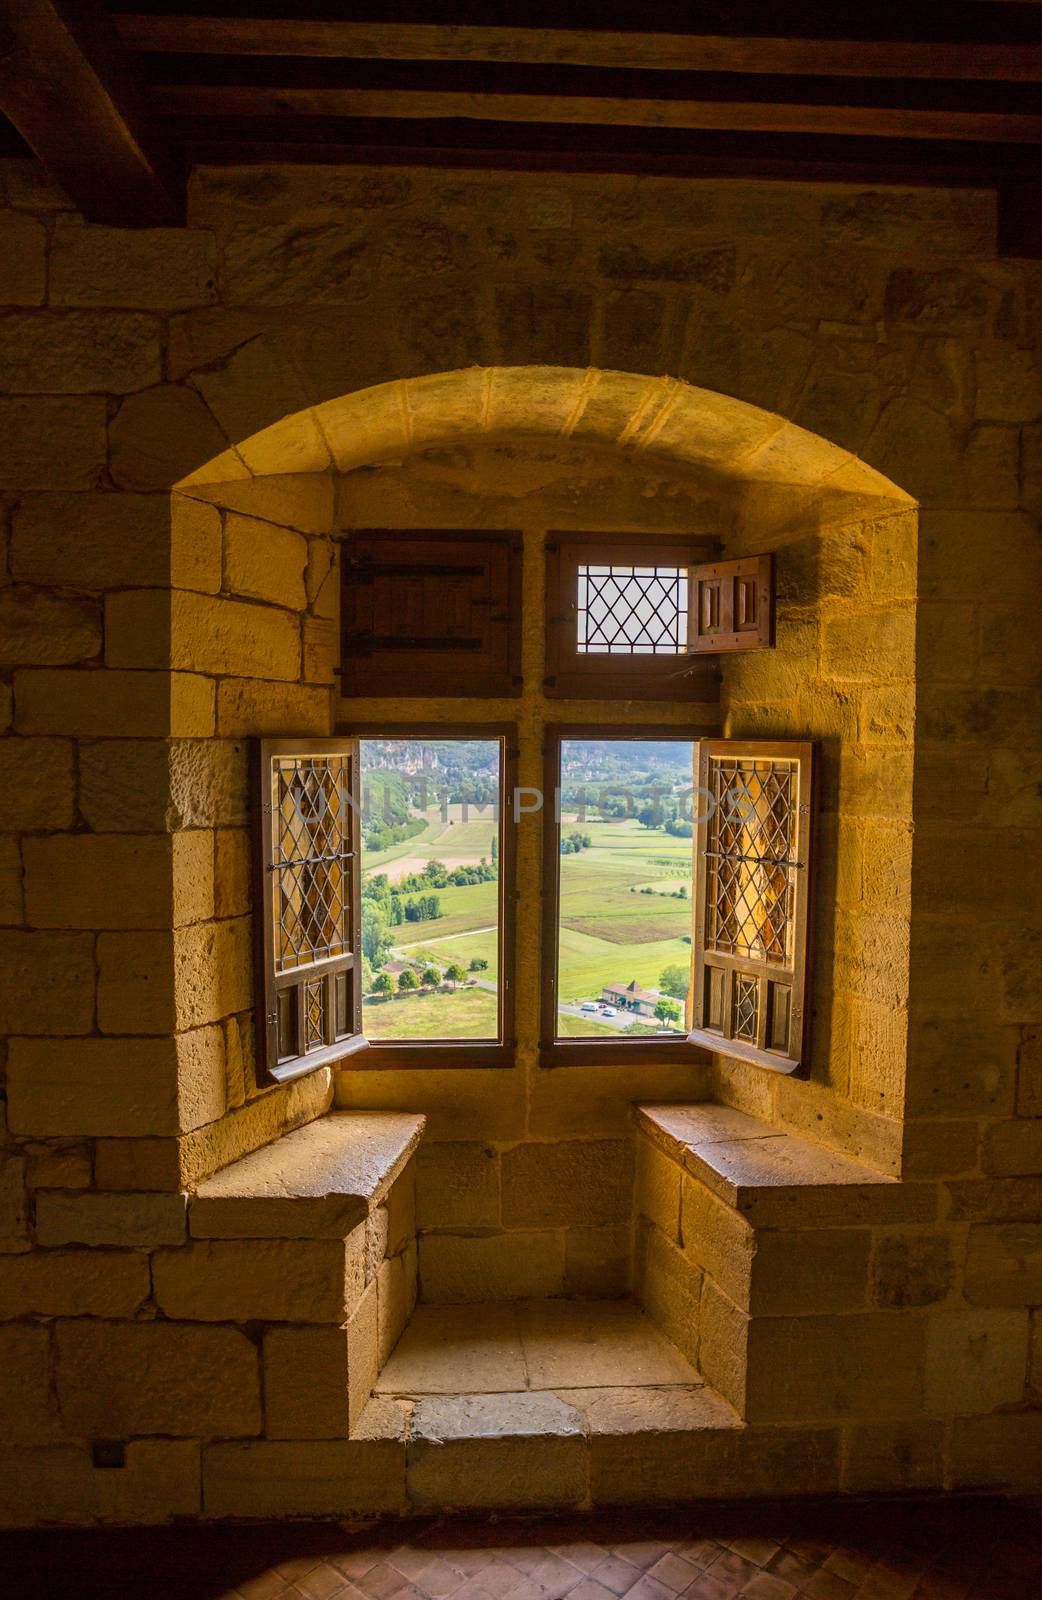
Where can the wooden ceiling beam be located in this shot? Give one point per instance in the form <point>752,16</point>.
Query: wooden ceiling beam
<point>68,87</point>
<point>676,52</point>
<point>234,100</point>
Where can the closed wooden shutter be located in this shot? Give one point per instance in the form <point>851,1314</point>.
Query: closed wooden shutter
<point>732,606</point>
<point>431,613</point>
<point>750,993</point>
<point>309,907</point>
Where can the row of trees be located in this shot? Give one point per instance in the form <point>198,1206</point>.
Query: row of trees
<point>572,843</point>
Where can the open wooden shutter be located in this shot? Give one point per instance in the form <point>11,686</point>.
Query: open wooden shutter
<point>732,606</point>
<point>429,613</point>
<point>309,906</point>
<point>750,996</point>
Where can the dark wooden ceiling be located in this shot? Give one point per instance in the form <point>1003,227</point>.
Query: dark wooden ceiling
<point>120,100</point>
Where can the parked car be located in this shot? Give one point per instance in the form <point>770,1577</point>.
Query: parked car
<point>588,1005</point>
<point>609,1011</point>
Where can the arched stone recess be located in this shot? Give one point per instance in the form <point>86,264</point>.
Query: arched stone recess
<point>248,634</point>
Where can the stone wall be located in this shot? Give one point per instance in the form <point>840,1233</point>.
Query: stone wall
<point>141,647</point>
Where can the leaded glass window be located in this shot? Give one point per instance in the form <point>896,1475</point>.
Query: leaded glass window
<point>752,873</point>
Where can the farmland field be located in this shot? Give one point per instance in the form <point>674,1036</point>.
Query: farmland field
<point>465,1014</point>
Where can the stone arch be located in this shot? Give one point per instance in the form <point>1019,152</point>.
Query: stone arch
<point>846,539</point>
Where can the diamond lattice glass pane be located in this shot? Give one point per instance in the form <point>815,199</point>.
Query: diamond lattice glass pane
<point>314,1013</point>
<point>751,859</point>
<point>746,999</point>
<point>629,611</point>
<point>311,867</point>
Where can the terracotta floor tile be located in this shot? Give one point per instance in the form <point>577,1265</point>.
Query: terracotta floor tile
<point>616,1574</point>
<point>766,1587</point>
<point>674,1571</point>
<point>707,1588</point>
<point>322,1583</point>
<point>826,1586</point>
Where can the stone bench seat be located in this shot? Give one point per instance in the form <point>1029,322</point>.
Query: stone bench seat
<point>773,1178</point>
<point>319,1182</point>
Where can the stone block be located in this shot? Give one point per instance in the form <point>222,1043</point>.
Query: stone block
<point>321,1478</point>
<point>231,637</point>
<point>945,301</point>
<point>723,1345</point>
<point>41,629</point>
<point>655,1444</point>
<point>976,1360</point>
<point>12,905</point>
<point>13,1204</point>
<point>168,268</point>
<point>305,1383</point>
<point>250,706</point>
<point>401,1210</point>
<point>98,881</point>
<point>911,1269</point>
<point>23,260</point>
<point>232,872</point>
<point>668,1287</point>
<point>363,1352</point>
<point>196,544</point>
<point>457,1186</point>
<point>210,782</point>
<point>808,1272</point>
<point>461,1268</point>
<point>866,1367</point>
<point>125,786</point>
<point>75,1283</point>
<point>269,1280</point>
<point>52,443</point>
<point>1004,1264</point>
<point>658,1181</point>
<point>37,785</point>
<point>1014,1149</point>
<point>265,562</point>
<point>717,1241</point>
<point>131,1221</point>
<point>129,1087</point>
<point>496,1452</point>
<point>28,1414</point>
<point>1009,384</point>
<point>397,1283</point>
<point>95,541</point>
<point>117,1379</point>
<point>598,1261</point>
<point>287,265</point>
<point>46,982</point>
<point>574,1183</point>
<point>883,1457</point>
<point>997,1452</point>
<point>213,971</point>
<point>162,435</point>
<point>130,704</point>
<point>59,1166</point>
<point>136,983</point>
<point>159,1481</point>
<point>74,352</point>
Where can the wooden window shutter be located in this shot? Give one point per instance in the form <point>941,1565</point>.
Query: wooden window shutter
<point>308,904</point>
<point>732,606</point>
<point>750,995</point>
<point>431,613</point>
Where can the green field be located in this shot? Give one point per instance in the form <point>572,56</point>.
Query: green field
<point>465,1014</point>
<point>459,947</point>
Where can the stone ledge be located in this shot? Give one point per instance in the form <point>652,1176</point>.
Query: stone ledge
<point>776,1179</point>
<point>318,1182</point>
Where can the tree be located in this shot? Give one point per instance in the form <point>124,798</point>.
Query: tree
<point>675,981</point>
<point>376,940</point>
<point>383,983</point>
<point>478,964</point>
<point>667,1011</point>
<point>407,980</point>
<point>430,977</point>
<point>455,974</point>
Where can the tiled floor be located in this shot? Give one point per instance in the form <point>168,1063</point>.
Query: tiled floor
<point>538,1344</point>
<point>958,1550</point>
